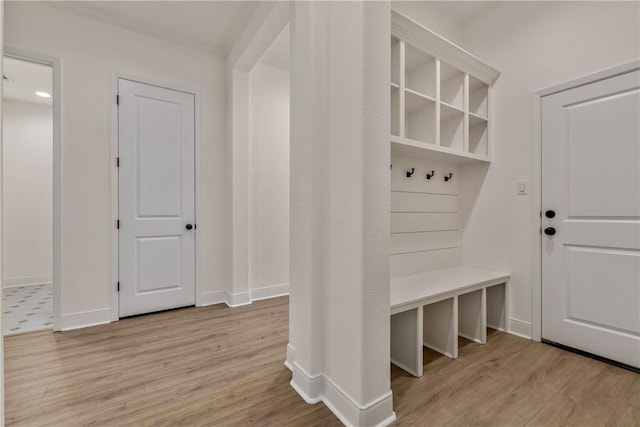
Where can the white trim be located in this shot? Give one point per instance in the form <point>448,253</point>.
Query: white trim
<point>200,298</point>
<point>14,282</point>
<point>422,37</point>
<point>309,387</point>
<point>519,328</point>
<point>243,298</point>
<point>239,299</point>
<point>211,298</point>
<point>57,224</point>
<point>591,78</point>
<point>273,63</point>
<point>320,388</point>
<point>351,413</point>
<point>84,319</point>
<point>269,292</point>
<point>536,185</point>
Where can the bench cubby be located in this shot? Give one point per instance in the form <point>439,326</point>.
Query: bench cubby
<point>432,309</point>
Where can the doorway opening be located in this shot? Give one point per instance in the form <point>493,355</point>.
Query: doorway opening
<point>27,196</point>
<point>269,177</point>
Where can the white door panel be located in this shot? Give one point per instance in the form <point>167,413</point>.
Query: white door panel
<point>591,179</point>
<point>156,198</point>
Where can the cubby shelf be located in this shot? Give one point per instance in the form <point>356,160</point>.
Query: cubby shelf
<point>419,149</point>
<point>440,96</point>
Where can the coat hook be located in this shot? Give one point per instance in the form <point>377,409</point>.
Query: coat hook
<point>448,177</point>
<point>409,173</point>
<point>430,175</point>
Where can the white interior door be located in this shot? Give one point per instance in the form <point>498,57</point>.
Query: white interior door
<point>156,198</point>
<point>591,180</point>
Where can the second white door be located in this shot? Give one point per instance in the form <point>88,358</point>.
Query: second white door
<point>591,218</point>
<point>156,198</point>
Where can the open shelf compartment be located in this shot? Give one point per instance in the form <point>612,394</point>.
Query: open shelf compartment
<point>420,71</point>
<point>478,135</point>
<point>395,61</point>
<point>451,127</point>
<point>451,85</point>
<point>395,111</point>
<point>478,97</point>
<point>420,117</point>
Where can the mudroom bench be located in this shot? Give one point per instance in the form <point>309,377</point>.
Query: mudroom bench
<point>433,309</point>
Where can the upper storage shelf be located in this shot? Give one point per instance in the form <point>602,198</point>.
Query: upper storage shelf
<point>440,95</point>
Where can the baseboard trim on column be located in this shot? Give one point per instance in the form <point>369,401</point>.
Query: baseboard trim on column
<point>268,292</point>
<point>309,387</point>
<point>375,413</point>
<point>319,388</point>
<point>239,299</point>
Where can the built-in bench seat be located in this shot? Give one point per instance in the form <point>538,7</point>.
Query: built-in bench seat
<point>433,309</point>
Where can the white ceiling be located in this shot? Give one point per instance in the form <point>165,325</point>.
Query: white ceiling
<point>25,79</point>
<point>465,9</point>
<point>208,25</point>
<point>278,52</point>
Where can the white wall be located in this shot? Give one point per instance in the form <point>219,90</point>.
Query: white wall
<point>535,45</point>
<point>269,139</point>
<point>90,51</point>
<point>27,192</point>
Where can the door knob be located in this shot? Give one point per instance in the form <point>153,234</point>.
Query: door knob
<point>549,231</point>
<point>189,226</point>
<point>550,214</point>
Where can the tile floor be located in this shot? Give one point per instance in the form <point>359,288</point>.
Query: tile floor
<point>27,309</point>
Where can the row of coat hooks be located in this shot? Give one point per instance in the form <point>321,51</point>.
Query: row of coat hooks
<point>428,175</point>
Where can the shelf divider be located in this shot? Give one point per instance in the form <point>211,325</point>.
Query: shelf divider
<point>437,136</point>
<point>465,106</point>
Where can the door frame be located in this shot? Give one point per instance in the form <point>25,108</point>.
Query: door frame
<point>57,225</point>
<point>113,217</point>
<point>536,184</point>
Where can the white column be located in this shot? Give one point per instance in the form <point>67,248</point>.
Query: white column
<point>340,154</point>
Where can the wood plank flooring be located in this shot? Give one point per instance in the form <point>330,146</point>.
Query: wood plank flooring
<point>220,366</point>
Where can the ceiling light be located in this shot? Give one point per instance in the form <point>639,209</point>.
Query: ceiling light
<point>43,94</point>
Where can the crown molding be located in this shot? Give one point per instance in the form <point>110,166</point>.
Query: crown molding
<point>425,39</point>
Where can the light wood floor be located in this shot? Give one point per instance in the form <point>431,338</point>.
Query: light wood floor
<point>221,366</point>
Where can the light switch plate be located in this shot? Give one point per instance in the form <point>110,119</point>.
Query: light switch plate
<point>523,188</point>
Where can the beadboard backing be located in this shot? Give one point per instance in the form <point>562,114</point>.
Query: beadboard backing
<point>425,218</point>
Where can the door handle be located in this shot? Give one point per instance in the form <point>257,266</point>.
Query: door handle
<point>189,227</point>
<point>549,231</point>
<point>550,214</point>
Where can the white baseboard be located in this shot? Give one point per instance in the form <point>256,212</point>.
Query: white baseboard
<point>269,292</point>
<point>211,298</point>
<point>520,328</point>
<point>242,298</point>
<point>309,387</point>
<point>12,282</point>
<point>320,388</point>
<point>239,299</point>
<point>85,319</point>
<point>378,412</point>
